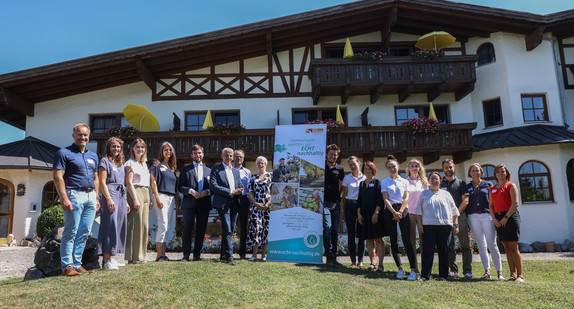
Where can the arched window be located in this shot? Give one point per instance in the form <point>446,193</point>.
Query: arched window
<point>570,178</point>
<point>485,53</point>
<point>535,183</point>
<point>489,173</point>
<point>49,195</point>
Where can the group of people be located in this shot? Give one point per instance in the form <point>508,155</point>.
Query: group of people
<point>439,208</point>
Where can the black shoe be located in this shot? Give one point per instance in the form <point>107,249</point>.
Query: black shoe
<point>196,259</point>
<point>185,259</point>
<point>335,263</point>
<point>242,257</point>
<point>330,263</point>
<point>230,261</point>
<point>222,258</point>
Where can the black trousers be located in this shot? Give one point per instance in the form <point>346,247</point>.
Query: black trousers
<point>243,214</point>
<point>197,217</point>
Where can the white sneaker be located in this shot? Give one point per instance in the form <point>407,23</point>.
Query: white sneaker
<point>413,276</point>
<point>116,263</point>
<point>401,274</point>
<point>110,265</point>
<point>453,274</point>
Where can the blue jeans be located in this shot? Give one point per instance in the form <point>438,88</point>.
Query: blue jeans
<point>351,221</point>
<point>77,227</point>
<point>331,215</point>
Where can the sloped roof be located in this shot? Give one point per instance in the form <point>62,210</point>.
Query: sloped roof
<point>19,91</point>
<point>523,136</point>
<point>29,153</point>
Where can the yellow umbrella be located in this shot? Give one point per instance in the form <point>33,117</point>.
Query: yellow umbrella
<point>141,118</point>
<point>435,40</point>
<point>348,52</point>
<point>208,123</point>
<point>432,114</point>
<point>339,116</point>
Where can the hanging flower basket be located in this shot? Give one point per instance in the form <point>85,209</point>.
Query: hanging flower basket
<point>332,125</point>
<point>123,132</point>
<point>422,125</point>
<point>226,128</point>
<point>427,54</point>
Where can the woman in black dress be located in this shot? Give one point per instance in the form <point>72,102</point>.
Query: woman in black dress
<point>370,215</point>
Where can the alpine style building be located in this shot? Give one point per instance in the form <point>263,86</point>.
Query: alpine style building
<point>504,93</point>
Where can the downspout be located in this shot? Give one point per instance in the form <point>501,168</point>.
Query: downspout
<point>561,91</point>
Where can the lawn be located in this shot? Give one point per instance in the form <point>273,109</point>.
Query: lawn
<point>211,284</point>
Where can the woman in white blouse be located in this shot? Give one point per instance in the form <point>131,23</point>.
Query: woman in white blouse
<point>351,184</point>
<point>437,218</point>
<point>396,198</point>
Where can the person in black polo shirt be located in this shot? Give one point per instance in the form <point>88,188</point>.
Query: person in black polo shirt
<point>334,175</point>
<point>75,173</point>
<point>458,190</point>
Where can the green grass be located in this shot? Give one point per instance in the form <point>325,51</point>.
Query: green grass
<point>211,284</point>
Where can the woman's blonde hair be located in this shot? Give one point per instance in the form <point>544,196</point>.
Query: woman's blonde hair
<point>422,173</point>
<point>143,159</point>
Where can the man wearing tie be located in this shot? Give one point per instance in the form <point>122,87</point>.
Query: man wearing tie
<point>225,184</point>
<point>196,205</point>
<point>244,204</point>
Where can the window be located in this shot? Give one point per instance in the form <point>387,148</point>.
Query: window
<point>403,114</point>
<point>101,123</point>
<point>492,113</point>
<point>489,173</point>
<point>534,107</point>
<point>570,178</point>
<point>194,120</point>
<point>301,116</point>
<point>485,53</point>
<point>535,184</point>
<point>49,195</point>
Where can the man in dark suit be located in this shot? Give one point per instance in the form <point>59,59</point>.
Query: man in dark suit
<point>225,184</point>
<point>196,205</point>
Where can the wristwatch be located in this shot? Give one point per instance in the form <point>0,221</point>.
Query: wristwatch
<point>505,217</point>
<point>377,212</point>
<point>456,225</point>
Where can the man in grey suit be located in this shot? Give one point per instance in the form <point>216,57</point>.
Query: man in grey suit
<point>196,204</point>
<point>225,184</point>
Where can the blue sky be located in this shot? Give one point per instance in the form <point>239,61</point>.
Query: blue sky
<point>40,32</point>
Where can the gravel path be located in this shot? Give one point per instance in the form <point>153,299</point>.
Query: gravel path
<point>15,261</point>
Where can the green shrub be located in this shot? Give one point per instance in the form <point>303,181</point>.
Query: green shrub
<point>49,219</point>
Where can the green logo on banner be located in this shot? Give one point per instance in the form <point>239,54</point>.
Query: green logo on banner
<point>311,239</point>
<point>280,148</point>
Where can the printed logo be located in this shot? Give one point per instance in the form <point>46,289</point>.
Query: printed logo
<point>311,239</point>
<point>314,131</point>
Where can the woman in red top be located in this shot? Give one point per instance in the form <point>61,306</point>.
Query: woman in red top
<point>503,204</point>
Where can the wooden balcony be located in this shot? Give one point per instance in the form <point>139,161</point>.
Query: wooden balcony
<point>365,142</point>
<point>394,75</point>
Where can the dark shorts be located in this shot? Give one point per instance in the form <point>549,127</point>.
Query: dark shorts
<point>511,232</point>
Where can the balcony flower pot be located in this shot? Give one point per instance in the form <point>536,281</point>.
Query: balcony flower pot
<point>226,128</point>
<point>426,55</point>
<point>422,126</point>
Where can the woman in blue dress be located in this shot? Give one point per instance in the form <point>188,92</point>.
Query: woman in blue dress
<point>114,206</point>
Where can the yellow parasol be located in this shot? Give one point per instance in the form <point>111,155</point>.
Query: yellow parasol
<point>339,116</point>
<point>348,52</point>
<point>141,118</point>
<point>208,123</point>
<point>432,114</point>
<point>435,40</point>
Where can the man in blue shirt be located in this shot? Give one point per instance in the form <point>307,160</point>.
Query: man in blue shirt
<point>75,173</point>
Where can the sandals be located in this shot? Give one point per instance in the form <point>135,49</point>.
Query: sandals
<point>512,277</point>
<point>500,277</point>
<point>372,267</point>
<point>520,278</point>
<point>162,258</point>
<point>486,276</point>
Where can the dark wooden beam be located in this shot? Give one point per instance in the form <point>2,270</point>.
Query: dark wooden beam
<point>463,91</point>
<point>461,156</point>
<point>269,44</point>
<point>534,38</point>
<point>406,92</point>
<point>316,94</point>
<point>375,95</point>
<point>146,74</point>
<point>388,26</point>
<point>401,156</point>
<point>435,92</point>
<point>346,94</point>
<point>16,102</point>
<point>431,157</point>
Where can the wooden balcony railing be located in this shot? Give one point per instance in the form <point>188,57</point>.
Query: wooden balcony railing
<point>369,142</point>
<point>393,75</point>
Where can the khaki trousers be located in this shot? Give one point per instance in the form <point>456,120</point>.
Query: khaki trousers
<point>138,219</point>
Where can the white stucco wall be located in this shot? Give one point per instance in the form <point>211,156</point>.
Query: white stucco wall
<point>24,219</point>
<point>515,72</point>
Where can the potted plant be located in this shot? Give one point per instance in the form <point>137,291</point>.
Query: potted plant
<point>122,132</point>
<point>427,54</point>
<point>226,128</point>
<point>374,56</point>
<point>332,125</point>
<point>422,125</point>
